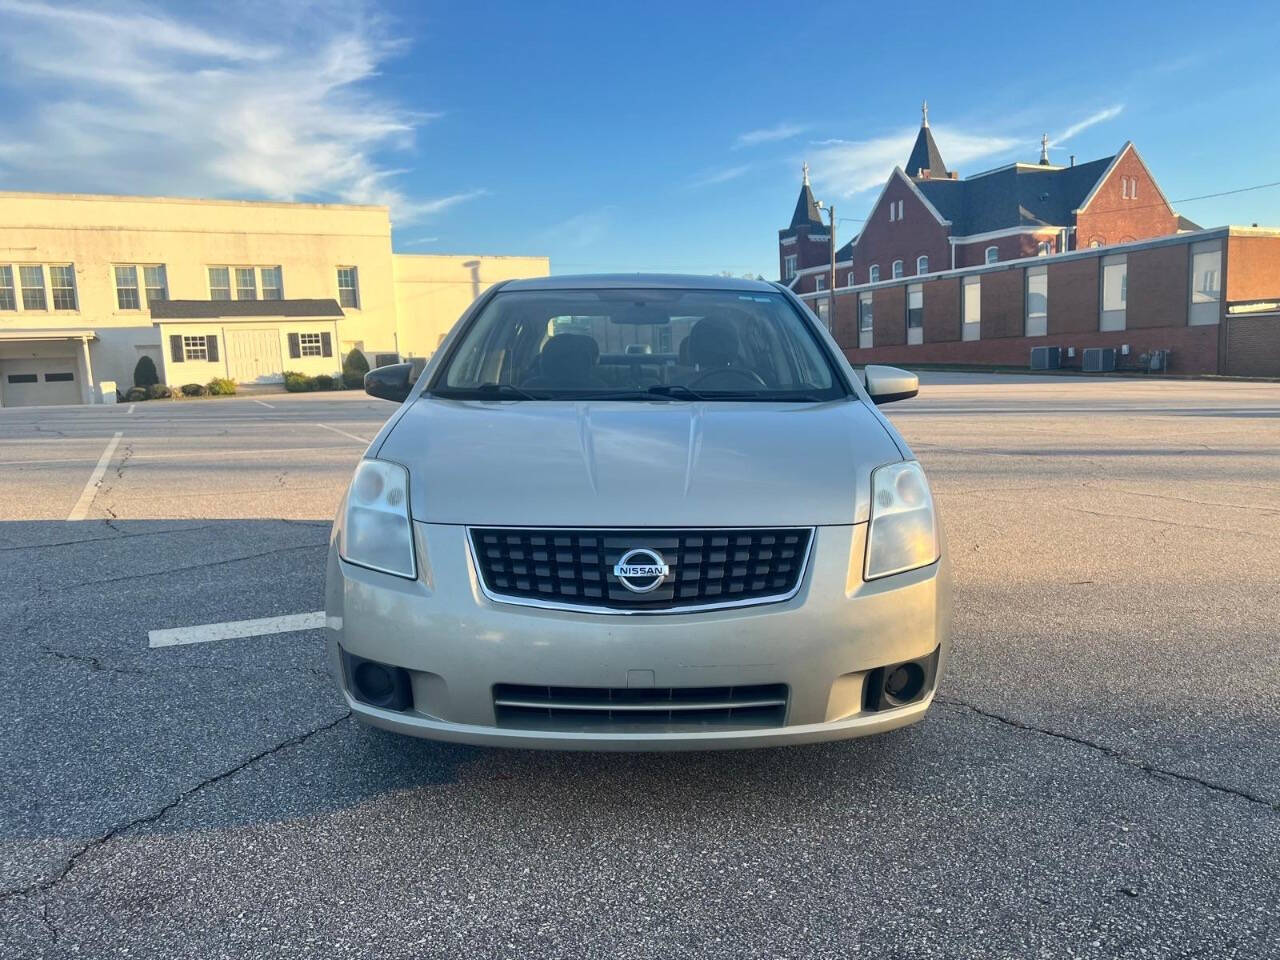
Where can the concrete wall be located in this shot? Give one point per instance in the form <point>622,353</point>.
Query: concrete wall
<point>431,292</point>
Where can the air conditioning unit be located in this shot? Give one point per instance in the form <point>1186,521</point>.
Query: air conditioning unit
<point>1099,359</point>
<point>1046,358</point>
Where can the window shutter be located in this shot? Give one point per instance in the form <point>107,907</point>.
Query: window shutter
<point>211,347</point>
<point>295,347</point>
<point>175,347</point>
<point>326,344</point>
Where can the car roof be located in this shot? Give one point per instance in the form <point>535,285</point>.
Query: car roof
<point>618,281</point>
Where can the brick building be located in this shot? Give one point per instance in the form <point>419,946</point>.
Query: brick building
<point>979,270</point>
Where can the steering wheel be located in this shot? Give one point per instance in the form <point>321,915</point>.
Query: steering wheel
<point>750,376</point>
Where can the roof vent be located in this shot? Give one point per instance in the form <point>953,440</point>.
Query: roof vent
<point>1073,159</point>
<point>1044,197</point>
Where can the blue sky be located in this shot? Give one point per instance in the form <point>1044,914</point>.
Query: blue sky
<point>623,136</point>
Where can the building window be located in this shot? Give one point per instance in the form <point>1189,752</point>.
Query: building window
<point>1124,188</point>
<point>127,288</point>
<point>1037,323</point>
<point>893,211</point>
<point>820,282</point>
<point>897,269</point>
<point>219,283</point>
<point>992,255</point>
<point>62,281</point>
<point>1045,248</point>
<point>156,279</point>
<point>788,273</point>
<point>195,348</point>
<point>865,321</point>
<point>873,275</point>
<point>246,283</point>
<point>32,278</point>
<point>349,285</point>
<point>1115,292</point>
<point>915,313</point>
<point>8,301</point>
<point>971,309</point>
<point>1129,188</point>
<point>272,283</point>
<point>899,209</point>
<point>1206,283</point>
<point>309,345</point>
<point>922,265</point>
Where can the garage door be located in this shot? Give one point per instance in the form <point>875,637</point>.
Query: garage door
<point>33,383</point>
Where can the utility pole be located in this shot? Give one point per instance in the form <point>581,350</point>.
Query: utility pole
<point>831,279</point>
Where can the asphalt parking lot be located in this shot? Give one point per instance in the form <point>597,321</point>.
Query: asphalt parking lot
<point>1100,776</point>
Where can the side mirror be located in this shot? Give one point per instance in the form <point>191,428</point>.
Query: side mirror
<point>887,384</point>
<point>392,382</point>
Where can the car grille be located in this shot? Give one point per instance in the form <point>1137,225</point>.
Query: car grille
<point>574,568</point>
<point>624,709</point>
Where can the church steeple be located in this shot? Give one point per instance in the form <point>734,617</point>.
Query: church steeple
<point>807,213</point>
<point>925,154</point>
<point>1044,150</point>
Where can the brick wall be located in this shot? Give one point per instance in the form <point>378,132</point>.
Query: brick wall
<point>1073,296</point>
<point>889,316</point>
<point>918,232</point>
<point>1159,288</point>
<point>941,310</point>
<point>1110,218</point>
<point>1195,349</point>
<point>1002,303</point>
<point>1252,268</point>
<point>1251,346</point>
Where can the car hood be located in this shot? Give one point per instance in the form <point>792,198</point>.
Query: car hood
<point>639,463</point>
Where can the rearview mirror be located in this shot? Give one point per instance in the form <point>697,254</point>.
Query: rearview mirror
<point>392,382</point>
<point>887,384</point>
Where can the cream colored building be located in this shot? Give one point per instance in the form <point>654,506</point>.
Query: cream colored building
<point>213,288</point>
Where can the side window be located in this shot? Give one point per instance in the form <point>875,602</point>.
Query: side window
<point>874,274</point>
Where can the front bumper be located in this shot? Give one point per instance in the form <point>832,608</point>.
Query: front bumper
<point>456,644</point>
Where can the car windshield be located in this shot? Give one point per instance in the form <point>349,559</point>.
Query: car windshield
<point>639,344</point>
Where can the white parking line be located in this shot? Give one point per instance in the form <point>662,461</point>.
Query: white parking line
<point>265,404</point>
<point>235,629</point>
<point>131,406</point>
<point>81,509</point>
<point>344,433</point>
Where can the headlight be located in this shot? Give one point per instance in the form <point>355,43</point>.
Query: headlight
<point>376,532</point>
<point>904,532</point>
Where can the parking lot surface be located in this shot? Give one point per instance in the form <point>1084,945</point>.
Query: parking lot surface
<point>1100,776</point>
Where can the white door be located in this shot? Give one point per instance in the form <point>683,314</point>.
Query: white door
<point>253,356</point>
<point>38,383</point>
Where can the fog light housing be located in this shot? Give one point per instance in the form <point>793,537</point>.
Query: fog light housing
<point>900,684</point>
<point>378,684</point>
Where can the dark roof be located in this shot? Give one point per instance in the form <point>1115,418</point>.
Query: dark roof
<point>213,309</point>
<point>1019,195</point>
<point>845,252</point>
<point>925,156</point>
<point>807,213</point>
<point>1185,224</point>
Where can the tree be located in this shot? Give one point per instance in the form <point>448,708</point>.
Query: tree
<point>354,367</point>
<point>144,373</point>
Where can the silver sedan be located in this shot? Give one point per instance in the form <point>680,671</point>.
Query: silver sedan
<point>638,513</point>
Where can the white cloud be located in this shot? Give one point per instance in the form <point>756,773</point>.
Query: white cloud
<point>782,131</point>
<point>848,167</point>
<point>720,176</point>
<point>124,98</point>
<point>580,230</point>
<point>1100,117</point>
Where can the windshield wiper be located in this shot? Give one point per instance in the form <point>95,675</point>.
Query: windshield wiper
<point>504,390</point>
<point>674,390</point>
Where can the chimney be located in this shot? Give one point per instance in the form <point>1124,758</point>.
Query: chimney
<point>1073,159</point>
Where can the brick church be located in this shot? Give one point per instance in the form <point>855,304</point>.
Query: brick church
<point>927,218</point>
<point>978,271</point>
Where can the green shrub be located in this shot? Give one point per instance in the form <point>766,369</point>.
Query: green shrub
<point>296,382</point>
<point>356,363</point>
<point>134,394</point>
<point>193,390</point>
<point>324,382</point>
<point>144,372</point>
<point>353,379</point>
<point>158,391</point>
<point>221,387</point>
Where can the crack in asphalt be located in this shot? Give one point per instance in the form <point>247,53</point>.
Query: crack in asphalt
<point>121,536</point>
<point>1144,765</point>
<point>103,839</point>
<point>195,566</point>
<point>93,663</point>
